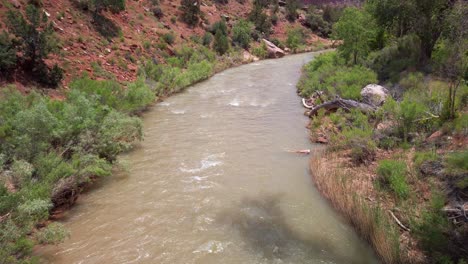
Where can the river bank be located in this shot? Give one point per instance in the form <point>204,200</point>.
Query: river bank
<point>403,193</point>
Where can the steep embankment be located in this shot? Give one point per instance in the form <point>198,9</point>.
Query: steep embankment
<point>114,45</point>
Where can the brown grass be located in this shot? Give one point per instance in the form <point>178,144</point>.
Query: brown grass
<point>336,184</point>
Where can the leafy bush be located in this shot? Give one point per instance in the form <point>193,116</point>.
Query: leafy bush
<point>400,55</point>
<point>296,38</point>
<point>260,51</point>
<point>53,234</point>
<point>169,38</point>
<point>432,227</point>
<point>393,174</point>
<point>157,12</point>
<point>326,73</point>
<point>457,162</point>
<point>317,24</point>
<point>241,33</point>
<point>207,39</point>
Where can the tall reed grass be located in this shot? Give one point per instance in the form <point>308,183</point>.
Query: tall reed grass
<point>370,221</point>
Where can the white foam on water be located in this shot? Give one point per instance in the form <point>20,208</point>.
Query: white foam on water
<point>178,112</point>
<point>206,163</point>
<point>195,179</point>
<point>212,247</point>
<point>164,104</point>
<point>234,102</point>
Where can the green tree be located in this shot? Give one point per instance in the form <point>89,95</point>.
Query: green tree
<point>295,38</point>
<point>291,9</point>
<point>221,43</point>
<point>241,33</point>
<point>190,11</point>
<point>7,53</point>
<point>425,18</point>
<point>260,19</point>
<point>451,55</point>
<point>35,39</point>
<point>355,30</point>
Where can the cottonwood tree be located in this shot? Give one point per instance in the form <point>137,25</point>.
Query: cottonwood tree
<point>451,55</point>
<point>355,30</point>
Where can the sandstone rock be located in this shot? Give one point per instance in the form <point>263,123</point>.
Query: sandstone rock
<point>15,3</point>
<point>273,50</point>
<point>374,94</point>
<point>321,140</point>
<point>435,136</point>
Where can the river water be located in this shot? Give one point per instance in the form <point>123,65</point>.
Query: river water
<point>213,182</point>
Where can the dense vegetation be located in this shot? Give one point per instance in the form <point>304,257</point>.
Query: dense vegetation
<point>50,148</point>
<point>418,50</point>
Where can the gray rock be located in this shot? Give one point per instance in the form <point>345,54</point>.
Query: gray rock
<point>374,94</point>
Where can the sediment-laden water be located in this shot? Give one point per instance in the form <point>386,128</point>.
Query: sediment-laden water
<point>213,182</point>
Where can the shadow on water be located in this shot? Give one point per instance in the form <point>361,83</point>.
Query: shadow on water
<point>262,225</point>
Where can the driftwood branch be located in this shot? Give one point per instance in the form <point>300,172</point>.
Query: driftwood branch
<point>399,222</point>
<point>340,103</point>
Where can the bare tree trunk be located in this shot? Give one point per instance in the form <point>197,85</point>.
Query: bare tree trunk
<point>343,104</point>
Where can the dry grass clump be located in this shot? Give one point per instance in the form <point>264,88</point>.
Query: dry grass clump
<point>340,187</point>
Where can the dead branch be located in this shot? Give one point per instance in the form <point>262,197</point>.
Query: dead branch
<point>399,222</point>
<point>344,104</point>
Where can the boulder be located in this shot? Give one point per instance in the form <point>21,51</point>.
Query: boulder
<point>374,94</point>
<point>273,50</point>
<point>15,3</point>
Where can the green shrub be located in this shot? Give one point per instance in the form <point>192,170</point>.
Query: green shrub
<point>408,115</point>
<point>190,11</point>
<point>317,24</point>
<point>392,173</point>
<point>296,38</point>
<point>432,227</point>
<point>21,172</point>
<point>53,234</point>
<point>260,51</point>
<point>207,39</point>
<point>241,33</point>
<point>169,38</point>
<point>326,74</point>
<point>221,43</point>
<point>457,162</point>
<point>421,157</point>
<point>390,61</point>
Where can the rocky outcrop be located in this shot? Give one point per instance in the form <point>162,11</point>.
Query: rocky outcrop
<point>273,50</point>
<point>374,94</point>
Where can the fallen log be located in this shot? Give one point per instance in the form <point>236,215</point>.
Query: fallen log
<point>398,221</point>
<point>345,104</point>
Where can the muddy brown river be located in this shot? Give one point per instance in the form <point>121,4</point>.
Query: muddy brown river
<point>213,182</point>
